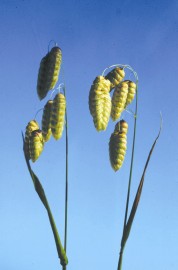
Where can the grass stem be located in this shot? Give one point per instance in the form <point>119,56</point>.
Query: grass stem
<point>66,182</point>
<point>130,176</point>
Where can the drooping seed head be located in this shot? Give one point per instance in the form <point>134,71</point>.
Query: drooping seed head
<point>46,127</point>
<point>57,119</point>
<point>115,76</point>
<point>100,102</point>
<point>49,72</point>
<point>31,126</point>
<point>131,92</point>
<point>36,144</point>
<point>118,145</point>
<point>119,100</point>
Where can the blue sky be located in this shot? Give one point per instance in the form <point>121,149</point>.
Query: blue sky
<point>92,35</point>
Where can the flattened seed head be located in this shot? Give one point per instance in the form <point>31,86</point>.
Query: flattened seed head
<point>115,76</point>
<point>119,100</point>
<point>57,119</point>
<point>36,144</point>
<point>131,92</point>
<point>118,145</point>
<point>100,102</point>
<point>49,72</point>
<point>46,128</point>
<point>31,126</point>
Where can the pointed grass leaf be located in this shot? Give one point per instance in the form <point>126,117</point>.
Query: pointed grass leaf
<point>40,191</point>
<point>138,194</point>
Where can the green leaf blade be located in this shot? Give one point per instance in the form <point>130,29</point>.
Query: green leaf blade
<point>138,194</point>
<point>41,193</point>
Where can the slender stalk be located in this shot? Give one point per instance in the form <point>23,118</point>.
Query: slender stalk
<point>61,253</point>
<point>63,86</point>
<point>66,182</point>
<point>120,258</point>
<point>132,160</point>
<point>66,187</point>
<point>130,177</point>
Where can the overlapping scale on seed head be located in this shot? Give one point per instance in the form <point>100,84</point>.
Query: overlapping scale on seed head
<point>119,100</point>
<point>57,119</point>
<point>31,126</point>
<point>115,76</point>
<point>46,126</point>
<point>49,72</point>
<point>36,144</point>
<point>118,145</point>
<point>100,102</point>
<point>131,92</point>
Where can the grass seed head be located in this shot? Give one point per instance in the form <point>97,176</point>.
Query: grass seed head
<point>36,144</point>
<point>131,92</point>
<point>46,127</point>
<point>57,119</point>
<point>100,102</point>
<point>31,126</point>
<point>115,76</point>
<point>49,72</point>
<point>119,100</point>
<point>118,145</point>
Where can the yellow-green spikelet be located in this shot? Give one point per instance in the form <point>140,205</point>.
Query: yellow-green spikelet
<point>31,126</point>
<point>36,144</point>
<point>46,126</point>
<point>57,119</point>
<point>100,102</point>
<point>131,92</point>
<point>49,72</point>
<point>119,100</point>
<point>115,76</point>
<point>118,145</point>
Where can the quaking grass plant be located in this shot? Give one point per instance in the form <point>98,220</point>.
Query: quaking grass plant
<point>54,119</point>
<point>102,107</point>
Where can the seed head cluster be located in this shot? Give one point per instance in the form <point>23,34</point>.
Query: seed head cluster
<point>102,106</point>
<point>53,118</point>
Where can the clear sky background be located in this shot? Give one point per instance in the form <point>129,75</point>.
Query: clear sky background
<point>92,35</point>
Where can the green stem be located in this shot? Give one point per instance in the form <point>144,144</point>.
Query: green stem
<point>120,258</point>
<point>61,251</point>
<point>130,179</point>
<point>66,184</point>
<point>132,160</point>
<point>41,193</point>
